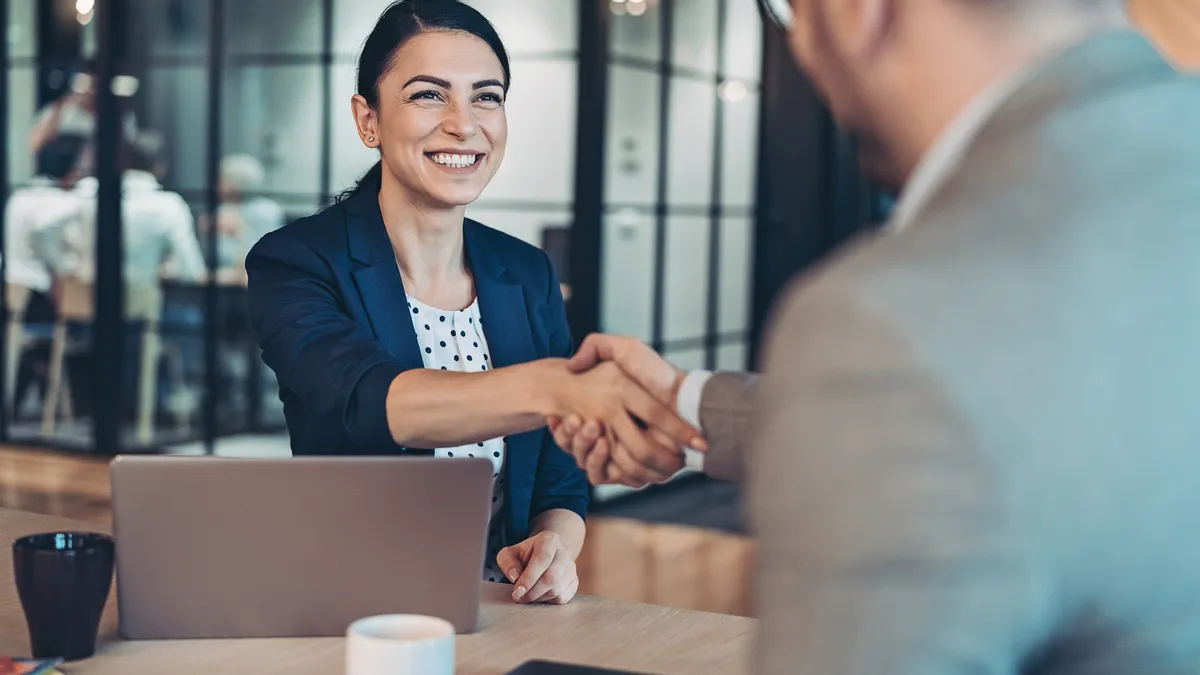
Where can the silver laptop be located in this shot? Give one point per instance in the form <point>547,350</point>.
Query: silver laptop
<point>237,548</point>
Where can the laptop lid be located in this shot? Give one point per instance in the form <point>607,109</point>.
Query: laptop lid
<point>299,547</point>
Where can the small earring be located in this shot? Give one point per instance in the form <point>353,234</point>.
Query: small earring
<point>370,139</point>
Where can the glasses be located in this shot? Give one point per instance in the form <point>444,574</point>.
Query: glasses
<point>778,11</point>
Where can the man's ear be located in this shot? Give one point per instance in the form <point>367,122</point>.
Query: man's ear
<point>855,30</point>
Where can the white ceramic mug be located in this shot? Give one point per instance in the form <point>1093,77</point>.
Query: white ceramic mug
<point>400,644</point>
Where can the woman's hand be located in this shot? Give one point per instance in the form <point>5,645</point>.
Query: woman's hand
<point>629,417</point>
<point>542,568</point>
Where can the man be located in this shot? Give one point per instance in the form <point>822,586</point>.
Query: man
<point>33,211</point>
<point>34,216</point>
<point>975,440</point>
<point>159,231</point>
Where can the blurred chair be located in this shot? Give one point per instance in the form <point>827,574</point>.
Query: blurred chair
<point>76,304</point>
<point>18,302</point>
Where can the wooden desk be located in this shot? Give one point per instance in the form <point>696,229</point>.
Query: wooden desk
<point>591,631</point>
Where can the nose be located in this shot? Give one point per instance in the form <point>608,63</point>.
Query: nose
<point>459,121</point>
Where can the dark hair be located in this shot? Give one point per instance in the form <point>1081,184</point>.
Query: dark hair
<point>60,155</point>
<point>402,21</point>
<point>134,156</point>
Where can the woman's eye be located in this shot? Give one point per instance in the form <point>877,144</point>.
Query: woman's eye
<point>426,95</point>
<point>490,98</point>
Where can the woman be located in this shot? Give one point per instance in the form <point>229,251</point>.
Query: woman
<point>392,323</point>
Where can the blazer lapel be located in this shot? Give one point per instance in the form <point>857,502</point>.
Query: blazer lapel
<point>378,279</point>
<point>502,307</point>
<point>505,322</point>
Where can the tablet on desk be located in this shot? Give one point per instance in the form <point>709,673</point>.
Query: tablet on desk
<point>549,668</point>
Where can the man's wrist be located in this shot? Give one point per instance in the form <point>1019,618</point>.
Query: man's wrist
<point>689,392</point>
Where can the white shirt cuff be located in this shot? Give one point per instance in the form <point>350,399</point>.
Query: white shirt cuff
<point>688,407</point>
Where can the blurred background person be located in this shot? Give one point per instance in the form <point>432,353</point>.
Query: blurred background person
<point>159,244</point>
<point>159,232</point>
<point>74,115</point>
<point>34,219</point>
<point>244,217</point>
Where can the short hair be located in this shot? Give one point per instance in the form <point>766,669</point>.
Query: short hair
<point>141,153</point>
<point>60,155</point>
<point>243,171</point>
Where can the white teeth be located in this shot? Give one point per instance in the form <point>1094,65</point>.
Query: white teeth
<point>456,161</point>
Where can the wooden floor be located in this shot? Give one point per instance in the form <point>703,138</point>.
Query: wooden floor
<point>624,559</point>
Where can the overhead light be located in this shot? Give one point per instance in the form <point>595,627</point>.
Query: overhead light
<point>85,10</point>
<point>81,83</point>
<point>733,91</point>
<point>618,7</point>
<point>124,85</point>
<point>636,8</point>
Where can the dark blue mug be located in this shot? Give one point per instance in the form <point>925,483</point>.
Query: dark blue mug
<point>63,579</point>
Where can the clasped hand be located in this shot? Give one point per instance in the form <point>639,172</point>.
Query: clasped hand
<point>627,432</point>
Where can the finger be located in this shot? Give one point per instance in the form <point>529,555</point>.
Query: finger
<point>598,462</point>
<point>564,596</point>
<point>539,562</point>
<point>595,348</point>
<point>555,578</point>
<point>562,439</point>
<point>614,474</point>
<point>618,477</point>
<point>656,415</point>
<point>662,440</point>
<point>509,561</point>
<point>570,425</point>
<point>587,355</point>
<point>585,440</point>
<point>552,422</point>
<point>640,458</point>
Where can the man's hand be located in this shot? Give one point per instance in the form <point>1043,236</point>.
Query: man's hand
<point>607,459</point>
<point>636,359</point>
<point>650,433</point>
<point>542,569</point>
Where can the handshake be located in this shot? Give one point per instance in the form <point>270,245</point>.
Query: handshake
<point>620,421</point>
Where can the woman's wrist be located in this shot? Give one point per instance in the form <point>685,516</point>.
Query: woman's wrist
<point>545,384</point>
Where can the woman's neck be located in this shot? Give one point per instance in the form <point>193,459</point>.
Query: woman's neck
<point>428,244</point>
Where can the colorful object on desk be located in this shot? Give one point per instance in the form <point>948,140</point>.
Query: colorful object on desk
<point>11,666</point>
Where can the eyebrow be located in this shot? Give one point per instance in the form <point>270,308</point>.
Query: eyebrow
<point>445,84</point>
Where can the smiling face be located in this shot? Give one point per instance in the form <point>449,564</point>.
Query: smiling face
<point>440,123</point>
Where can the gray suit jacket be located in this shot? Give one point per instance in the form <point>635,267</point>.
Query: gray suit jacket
<point>977,442</point>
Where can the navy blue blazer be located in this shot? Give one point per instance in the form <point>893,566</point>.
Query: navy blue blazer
<point>329,309</point>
